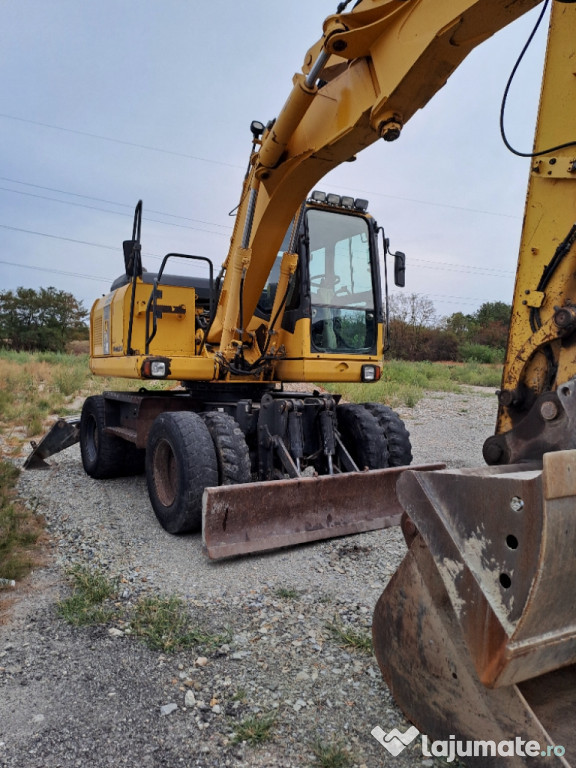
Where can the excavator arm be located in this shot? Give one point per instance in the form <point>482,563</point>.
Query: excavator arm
<point>372,70</point>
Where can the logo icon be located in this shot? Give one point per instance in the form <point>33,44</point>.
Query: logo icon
<point>395,741</point>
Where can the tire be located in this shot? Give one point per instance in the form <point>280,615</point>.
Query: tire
<point>180,463</point>
<point>105,456</point>
<point>362,436</point>
<point>397,436</point>
<point>231,449</point>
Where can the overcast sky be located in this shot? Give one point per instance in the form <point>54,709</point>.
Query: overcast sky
<point>103,103</point>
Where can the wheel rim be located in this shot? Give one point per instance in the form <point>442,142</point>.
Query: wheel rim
<point>165,473</point>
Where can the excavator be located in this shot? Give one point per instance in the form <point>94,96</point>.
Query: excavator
<point>475,634</point>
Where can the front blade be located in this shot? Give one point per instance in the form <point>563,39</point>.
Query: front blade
<point>238,519</point>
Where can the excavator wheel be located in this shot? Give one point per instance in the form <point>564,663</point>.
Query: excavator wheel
<point>397,436</point>
<point>231,448</point>
<point>362,436</point>
<point>181,462</point>
<point>103,455</point>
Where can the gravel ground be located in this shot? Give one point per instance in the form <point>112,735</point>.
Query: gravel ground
<point>97,696</point>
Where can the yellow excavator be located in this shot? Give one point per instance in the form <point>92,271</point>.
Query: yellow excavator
<point>476,632</point>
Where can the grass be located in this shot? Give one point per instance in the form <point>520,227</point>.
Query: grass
<point>20,528</point>
<point>34,387</point>
<point>332,755</point>
<point>287,593</point>
<point>164,624</point>
<point>350,637</point>
<point>255,729</point>
<point>85,606</point>
<point>405,383</point>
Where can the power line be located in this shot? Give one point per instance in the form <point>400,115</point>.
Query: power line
<point>120,213</point>
<point>459,300</point>
<point>425,264</point>
<point>232,165</point>
<point>120,141</point>
<point>59,237</point>
<point>468,268</point>
<point>434,297</point>
<point>73,240</point>
<point>434,203</point>
<point>108,202</point>
<point>57,271</point>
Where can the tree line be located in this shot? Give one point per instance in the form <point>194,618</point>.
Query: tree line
<point>43,320</point>
<point>417,333</point>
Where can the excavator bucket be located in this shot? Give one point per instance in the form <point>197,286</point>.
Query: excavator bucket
<point>238,519</point>
<point>476,632</point>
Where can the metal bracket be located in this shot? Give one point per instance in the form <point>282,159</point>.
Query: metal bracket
<point>550,425</point>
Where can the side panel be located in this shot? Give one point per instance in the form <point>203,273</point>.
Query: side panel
<point>175,333</point>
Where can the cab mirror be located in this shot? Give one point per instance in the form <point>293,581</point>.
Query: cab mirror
<point>132,260</point>
<point>400,269</point>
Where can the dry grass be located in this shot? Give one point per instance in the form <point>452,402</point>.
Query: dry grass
<point>37,387</point>
<point>33,388</point>
<point>20,529</point>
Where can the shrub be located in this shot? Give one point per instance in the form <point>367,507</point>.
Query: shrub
<point>480,353</point>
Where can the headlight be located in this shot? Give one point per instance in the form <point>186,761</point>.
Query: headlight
<point>158,369</point>
<point>370,373</point>
<point>155,369</point>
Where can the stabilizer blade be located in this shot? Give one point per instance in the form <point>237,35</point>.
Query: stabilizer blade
<point>238,519</point>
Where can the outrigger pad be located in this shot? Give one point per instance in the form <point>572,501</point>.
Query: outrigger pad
<point>63,434</point>
<point>238,519</point>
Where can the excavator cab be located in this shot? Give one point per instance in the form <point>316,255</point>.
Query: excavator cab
<point>338,276</point>
<point>344,306</point>
<point>334,303</point>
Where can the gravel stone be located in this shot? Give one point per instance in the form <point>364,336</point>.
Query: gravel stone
<point>97,696</point>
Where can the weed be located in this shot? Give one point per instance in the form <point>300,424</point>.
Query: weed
<point>70,379</point>
<point>240,695</point>
<point>480,353</point>
<point>287,593</point>
<point>350,637</point>
<point>76,610</point>
<point>332,755</point>
<point>164,624</point>
<point>255,729</point>
<point>90,590</point>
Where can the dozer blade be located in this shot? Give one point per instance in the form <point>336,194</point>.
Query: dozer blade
<point>238,519</point>
<point>476,632</point>
<point>63,434</point>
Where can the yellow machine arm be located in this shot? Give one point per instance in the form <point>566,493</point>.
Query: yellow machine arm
<point>536,413</point>
<point>475,633</point>
<point>371,71</point>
